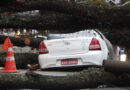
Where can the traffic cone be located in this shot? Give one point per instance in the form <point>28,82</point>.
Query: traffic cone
<point>10,65</point>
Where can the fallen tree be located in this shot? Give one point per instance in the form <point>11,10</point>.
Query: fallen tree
<point>116,66</point>
<point>118,76</point>
<point>82,16</point>
<point>116,38</point>
<point>51,20</point>
<point>21,59</point>
<point>21,41</point>
<point>119,38</point>
<point>91,78</point>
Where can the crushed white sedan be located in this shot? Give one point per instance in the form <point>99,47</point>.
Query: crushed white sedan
<point>83,48</point>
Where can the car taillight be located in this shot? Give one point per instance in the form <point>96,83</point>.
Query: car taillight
<point>42,48</point>
<point>94,45</point>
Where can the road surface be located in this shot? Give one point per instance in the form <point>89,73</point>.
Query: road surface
<point>44,73</point>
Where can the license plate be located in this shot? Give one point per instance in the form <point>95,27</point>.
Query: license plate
<point>69,61</point>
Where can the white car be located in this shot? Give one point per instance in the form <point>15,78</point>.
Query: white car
<point>83,48</point>
<point>41,37</point>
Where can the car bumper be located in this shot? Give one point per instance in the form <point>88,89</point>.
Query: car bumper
<point>90,58</point>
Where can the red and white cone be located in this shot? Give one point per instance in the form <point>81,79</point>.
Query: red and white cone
<point>10,65</point>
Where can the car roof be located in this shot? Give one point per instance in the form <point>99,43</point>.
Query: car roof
<point>82,33</point>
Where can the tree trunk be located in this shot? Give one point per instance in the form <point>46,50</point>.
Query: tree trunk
<point>116,66</point>
<point>21,41</point>
<point>21,59</point>
<point>84,17</point>
<point>119,38</point>
<point>91,78</point>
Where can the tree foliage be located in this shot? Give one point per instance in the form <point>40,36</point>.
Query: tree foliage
<point>21,59</point>
<point>90,78</point>
<point>70,16</point>
<point>124,1</point>
<point>102,4</point>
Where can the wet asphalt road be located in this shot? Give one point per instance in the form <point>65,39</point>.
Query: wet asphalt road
<point>54,73</point>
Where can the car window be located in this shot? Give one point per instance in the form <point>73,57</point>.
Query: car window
<point>101,35</point>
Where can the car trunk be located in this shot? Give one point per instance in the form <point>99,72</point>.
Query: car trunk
<point>68,46</point>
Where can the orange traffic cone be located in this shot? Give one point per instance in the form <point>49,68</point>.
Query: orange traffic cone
<point>10,65</point>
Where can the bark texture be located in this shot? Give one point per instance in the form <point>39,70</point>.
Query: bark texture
<point>83,17</point>
<point>21,59</point>
<point>21,41</point>
<point>91,78</point>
